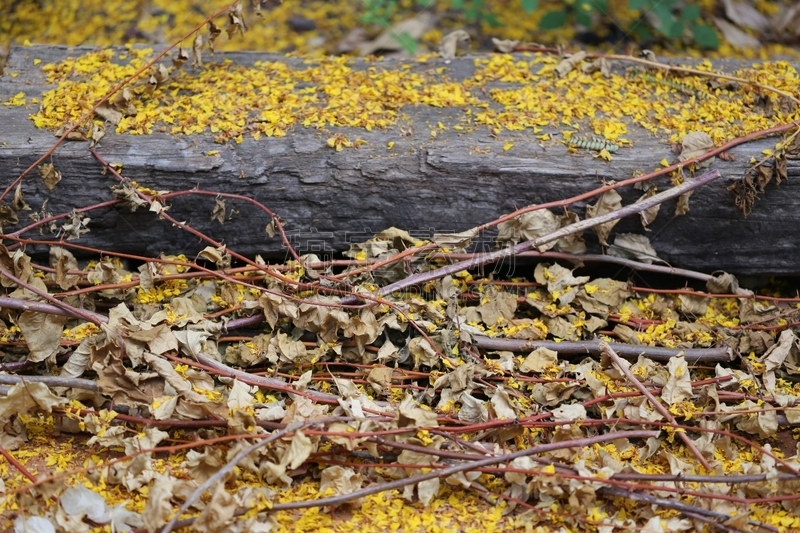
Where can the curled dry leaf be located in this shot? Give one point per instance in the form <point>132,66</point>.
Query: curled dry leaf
<point>528,226</point>
<point>736,36</point>
<point>568,64</point>
<point>608,202</point>
<point>648,216</point>
<point>504,45</point>
<point>746,16</point>
<point>50,176</point>
<point>180,59</point>
<point>197,50</point>
<point>694,145</point>
<point>449,44</point>
<point>633,246</point>
<point>600,64</point>
<point>214,32</point>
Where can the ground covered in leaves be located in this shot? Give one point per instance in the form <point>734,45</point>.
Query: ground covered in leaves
<point>413,390</point>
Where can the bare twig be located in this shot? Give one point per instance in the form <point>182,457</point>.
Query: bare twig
<point>593,347</point>
<point>571,229</point>
<point>73,311</point>
<point>654,401</point>
<point>672,504</point>
<point>222,472</point>
<point>438,473</point>
<point>51,381</point>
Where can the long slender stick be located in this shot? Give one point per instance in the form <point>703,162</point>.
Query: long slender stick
<point>594,347</point>
<point>51,381</point>
<point>654,401</point>
<point>482,259</point>
<point>400,483</point>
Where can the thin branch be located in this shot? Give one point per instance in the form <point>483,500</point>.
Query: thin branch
<point>654,401</point>
<point>73,311</point>
<point>438,473</point>
<point>482,259</point>
<point>672,504</point>
<point>51,381</point>
<point>593,347</point>
<point>222,472</point>
<point>39,307</point>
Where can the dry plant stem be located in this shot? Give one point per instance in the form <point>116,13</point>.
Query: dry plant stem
<point>79,313</point>
<point>597,258</point>
<point>89,114</point>
<point>482,259</point>
<point>51,381</point>
<point>53,218</point>
<point>695,72</point>
<point>654,401</point>
<point>222,472</point>
<point>672,504</point>
<point>645,177</point>
<point>16,464</point>
<point>661,66</point>
<point>39,307</point>
<point>261,381</point>
<point>439,473</point>
<point>444,472</point>
<point>593,347</point>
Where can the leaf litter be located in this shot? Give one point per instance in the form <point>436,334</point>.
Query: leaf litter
<point>390,392</point>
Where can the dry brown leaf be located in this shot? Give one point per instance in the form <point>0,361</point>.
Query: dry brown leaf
<point>736,36</point>
<point>539,360</point>
<point>217,513</point>
<point>633,246</point>
<point>746,16</point>
<point>505,46</point>
<point>449,44</point>
<point>197,50</point>
<point>50,176</point>
<point>181,58</point>
<point>695,144</point>
<point>568,64</point>
<point>679,384</point>
<point>63,261</point>
<point>608,202</point>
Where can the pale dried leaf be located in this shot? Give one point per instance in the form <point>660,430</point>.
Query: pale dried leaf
<point>633,246</point>
<point>608,202</point>
<point>50,176</point>
<point>449,44</point>
<point>568,64</point>
<point>505,46</point>
<point>679,384</point>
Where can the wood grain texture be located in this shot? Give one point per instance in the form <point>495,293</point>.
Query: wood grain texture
<point>329,199</point>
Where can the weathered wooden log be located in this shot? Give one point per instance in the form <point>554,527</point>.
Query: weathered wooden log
<point>329,199</point>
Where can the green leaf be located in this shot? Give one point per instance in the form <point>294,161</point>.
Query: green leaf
<point>492,20</point>
<point>690,13</point>
<point>636,5</point>
<point>705,36</point>
<point>407,42</point>
<point>583,18</point>
<point>530,6</point>
<point>676,30</point>
<point>665,19</point>
<point>457,4</point>
<point>553,19</point>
